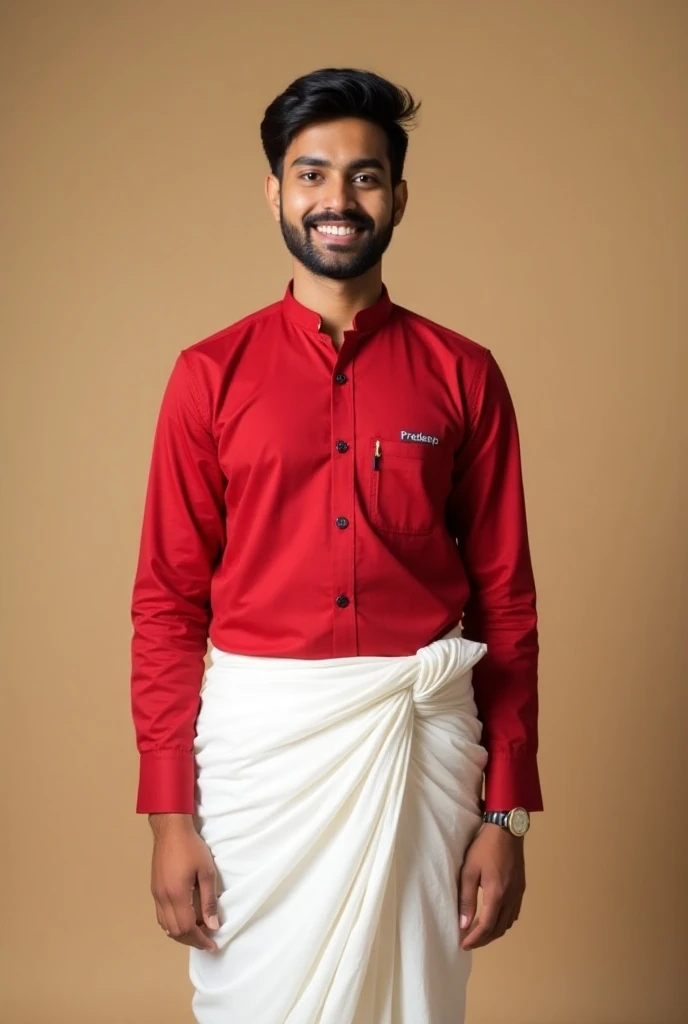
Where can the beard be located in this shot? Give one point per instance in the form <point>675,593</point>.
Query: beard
<point>346,262</point>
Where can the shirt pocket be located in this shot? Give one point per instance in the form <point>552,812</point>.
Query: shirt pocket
<point>408,490</point>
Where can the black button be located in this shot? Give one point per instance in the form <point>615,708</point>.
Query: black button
<point>341,378</point>
<point>342,522</point>
<point>343,601</point>
<point>342,446</point>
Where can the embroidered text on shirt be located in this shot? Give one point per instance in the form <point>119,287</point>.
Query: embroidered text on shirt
<point>423,438</point>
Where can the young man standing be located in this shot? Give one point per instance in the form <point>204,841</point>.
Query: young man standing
<point>335,500</point>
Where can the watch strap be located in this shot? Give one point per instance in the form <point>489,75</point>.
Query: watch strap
<point>497,818</point>
<point>516,821</point>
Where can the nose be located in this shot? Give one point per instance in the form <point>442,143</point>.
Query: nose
<point>339,196</point>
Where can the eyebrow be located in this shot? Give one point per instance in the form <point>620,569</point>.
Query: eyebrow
<point>355,165</point>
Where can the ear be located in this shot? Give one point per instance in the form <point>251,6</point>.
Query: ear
<point>272,194</point>
<point>400,201</point>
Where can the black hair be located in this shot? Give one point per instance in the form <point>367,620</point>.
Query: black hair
<point>334,93</point>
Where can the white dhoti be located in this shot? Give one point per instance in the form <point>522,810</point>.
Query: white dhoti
<point>338,798</point>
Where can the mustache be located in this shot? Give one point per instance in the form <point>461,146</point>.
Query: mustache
<point>357,219</point>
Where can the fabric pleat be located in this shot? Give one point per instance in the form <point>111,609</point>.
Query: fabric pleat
<point>338,798</point>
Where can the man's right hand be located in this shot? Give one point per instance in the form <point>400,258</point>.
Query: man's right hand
<point>183,881</point>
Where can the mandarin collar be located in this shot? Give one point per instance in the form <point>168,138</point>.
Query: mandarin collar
<point>368,319</point>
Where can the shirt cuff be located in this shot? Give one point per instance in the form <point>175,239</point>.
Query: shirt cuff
<point>512,781</point>
<point>167,780</point>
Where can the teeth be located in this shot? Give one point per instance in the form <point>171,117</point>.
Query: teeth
<point>331,229</point>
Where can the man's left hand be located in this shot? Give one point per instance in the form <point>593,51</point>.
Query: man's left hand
<point>494,862</point>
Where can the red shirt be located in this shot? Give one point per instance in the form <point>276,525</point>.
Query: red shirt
<point>309,503</point>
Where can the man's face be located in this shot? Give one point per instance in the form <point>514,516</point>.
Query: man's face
<point>336,205</point>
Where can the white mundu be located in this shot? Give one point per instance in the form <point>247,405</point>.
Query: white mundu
<point>338,798</point>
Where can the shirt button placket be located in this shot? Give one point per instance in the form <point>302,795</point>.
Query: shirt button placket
<point>344,627</point>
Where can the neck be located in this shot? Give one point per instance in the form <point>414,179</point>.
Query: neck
<point>337,302</point>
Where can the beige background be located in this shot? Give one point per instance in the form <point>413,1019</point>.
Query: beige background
<point>548,221</point>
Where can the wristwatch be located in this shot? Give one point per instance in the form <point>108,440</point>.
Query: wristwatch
<point>516,821</point>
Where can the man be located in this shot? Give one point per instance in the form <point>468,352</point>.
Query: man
<point>335,500</point>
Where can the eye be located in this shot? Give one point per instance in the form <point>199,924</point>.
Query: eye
<point>309,176</point>
<point>366,179</point>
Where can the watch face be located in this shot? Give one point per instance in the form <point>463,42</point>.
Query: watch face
<point>519,821</point>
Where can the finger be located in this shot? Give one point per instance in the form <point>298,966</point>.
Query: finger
<point>489,913</point>
<point>208,897</point>
<point>469,882</point>
<point>519,894</point>
<point>193,936</point>
<point>179,913</point>
<point>501,925</point>
<point>516,910</point>
<point>511,920</point>
<point>159,914</point>
<point>198,938</point>
<point>197,906</point>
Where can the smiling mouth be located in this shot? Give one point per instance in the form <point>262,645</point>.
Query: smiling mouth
<point>338,234</point>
